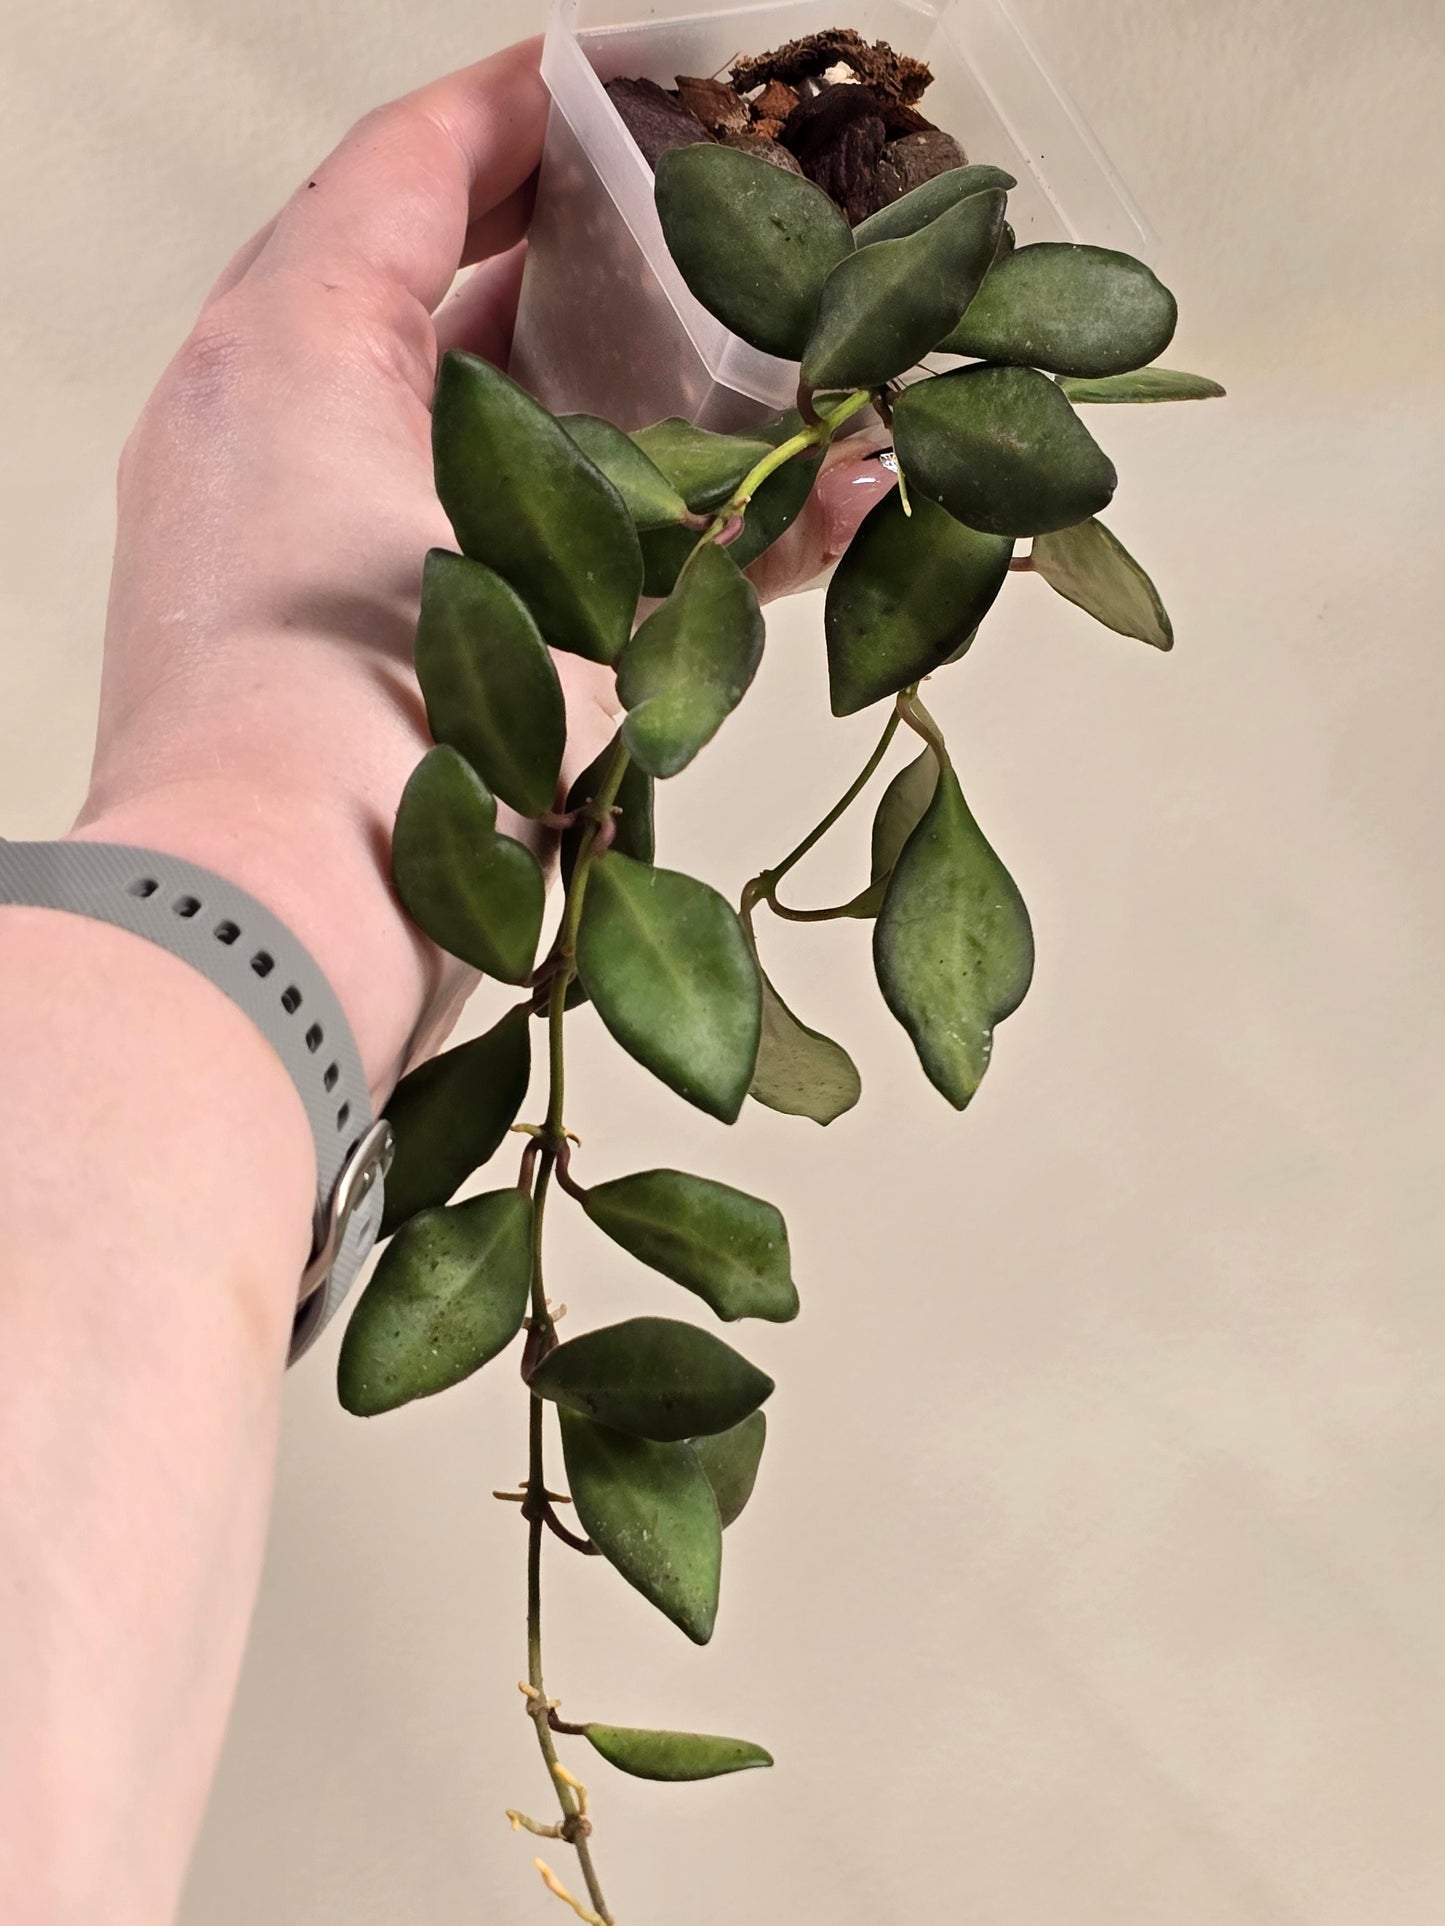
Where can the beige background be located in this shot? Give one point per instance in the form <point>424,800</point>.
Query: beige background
<point>1097,1572</point>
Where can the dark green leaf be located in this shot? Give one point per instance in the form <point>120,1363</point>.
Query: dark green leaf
<point>799,1071</point>
<point>730,1461</point>
<point>704,468</point>
<point>653,1378</point>
<point>887,306</point>
<point>674,1756</point>
<point>924,204</point>
<point>525,500</point>
<point>770,513</point>
<point>633,835</point>
<point>491,690</point>
<point>476,893</point>
<point>1145,384</point>
<point>754,242</point>
<point>449,1293</point>
<point>689,665</point>
<point>732,1249</point>
<point>651,499</point>
<point>449,1116</point>
<point>952,946</point>
<point>908,590</point>
<point>651,1513</point>
<point>1002,450</point>
<point>1092,567</point>
<point>666,962</point>
<point>1072,310</point>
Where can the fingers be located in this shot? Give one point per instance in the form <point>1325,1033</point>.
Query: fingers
<point>852,481</point>
<point>240,263</point>
<point>480,316</point>
<point>408,194</point>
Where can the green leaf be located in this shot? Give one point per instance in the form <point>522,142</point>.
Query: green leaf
<point>450,1115</point>
<point>490,687</point>
<point>799,1071</point>
<point>1092,567</point>
<point>901,808</point>
<point>449,1293</point>
<point>634,833</point>
<point>908,590</point>
<point>673,1756</point>
<point>1072,310</point>
<point>651,1513</point>
<point>924,204</point>
<point>689,665</point>
<point>1144,384</point>
<point>887,306</point>
<point>732,1249</point>
<point>729,1461</point>
<point>754,242</point>
<point>666,962</point>
<point>1002,450</point>
<point>952,946</point>
<point>475,892</point>
<point>653,1378</point>
<point>525,500</point>
<point>770,514</point>
<point>705,468</point>
<point>651,499</point>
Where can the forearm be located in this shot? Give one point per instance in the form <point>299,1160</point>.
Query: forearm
<point>156,1194</point>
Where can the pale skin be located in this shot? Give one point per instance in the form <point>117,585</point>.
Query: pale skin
<point>258,716</point>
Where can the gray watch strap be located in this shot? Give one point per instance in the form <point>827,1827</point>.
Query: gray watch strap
<point>247,953</point>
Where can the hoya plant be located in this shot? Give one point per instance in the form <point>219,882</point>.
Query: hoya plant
<point>566,528</point>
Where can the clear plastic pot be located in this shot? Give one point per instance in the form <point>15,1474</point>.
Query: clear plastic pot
<point>606,325</point>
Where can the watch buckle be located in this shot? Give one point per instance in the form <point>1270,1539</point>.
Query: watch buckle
<point>369,1160</point>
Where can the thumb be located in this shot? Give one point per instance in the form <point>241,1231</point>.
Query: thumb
<point>855,477</point>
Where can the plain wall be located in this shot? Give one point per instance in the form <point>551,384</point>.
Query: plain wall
<point>1095,1573</point>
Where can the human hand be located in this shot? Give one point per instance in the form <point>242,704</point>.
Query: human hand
<point>259,714</point>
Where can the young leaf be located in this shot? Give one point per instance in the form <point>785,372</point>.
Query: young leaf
<point>1092,567</point>
<point>908,590</point>
<point>732,1249</point>
<point>673,1756</point>
<point>1002,450</point>
<point>651,499</point>
<point>449,1116</point>
<point>689,665</point>
<point>754,242</point>
<point>1144,384</point>
<point>666,962</point>
<point>1071,310</point>
<point>770,513</point>
<point>449,1293</point>
<point>633,833</point>
<point>704,468</point>
<point>799,1071</point>
<point>952,946</point>
<point>924,204</point>
<point>491,690</point>
<point>887,306</point>
<point>729,1461</point>
<point>651,1513</point>
<point>653,1378</point>
<point>525,500</point>
<point>475,892</point>
<point>901,808</point>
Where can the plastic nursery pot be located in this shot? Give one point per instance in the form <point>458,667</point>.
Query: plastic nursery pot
<point>606,325</point>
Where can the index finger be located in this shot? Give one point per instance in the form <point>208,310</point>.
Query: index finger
<point>394,201</point>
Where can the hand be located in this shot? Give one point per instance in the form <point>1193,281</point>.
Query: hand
<point>258,709</point>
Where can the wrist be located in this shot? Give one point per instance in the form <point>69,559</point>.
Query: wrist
<point>324,875</point>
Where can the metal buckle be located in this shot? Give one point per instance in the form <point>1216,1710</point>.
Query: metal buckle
<point>370,1159</point>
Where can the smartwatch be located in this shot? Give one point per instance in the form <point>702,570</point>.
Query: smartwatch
<point>247,953</point>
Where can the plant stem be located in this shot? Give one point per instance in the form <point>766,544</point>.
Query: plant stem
<point>763,886</point>
<point>816,436</point>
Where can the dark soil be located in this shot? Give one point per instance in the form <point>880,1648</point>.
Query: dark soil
<point>831,107</point>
